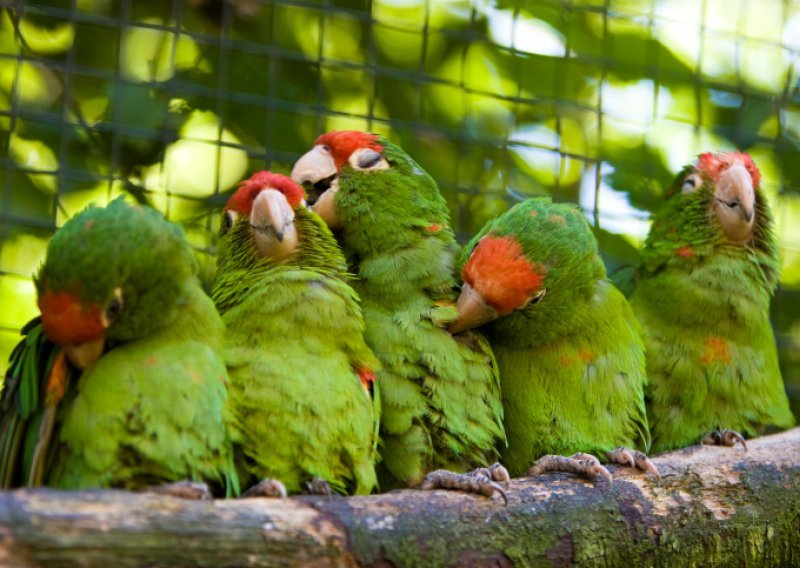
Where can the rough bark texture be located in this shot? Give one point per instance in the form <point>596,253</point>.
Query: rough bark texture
<point>713,507</point>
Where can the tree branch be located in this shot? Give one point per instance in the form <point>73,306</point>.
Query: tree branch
<point>714,506</point>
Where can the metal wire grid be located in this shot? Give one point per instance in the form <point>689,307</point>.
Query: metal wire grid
<point>482,180</point>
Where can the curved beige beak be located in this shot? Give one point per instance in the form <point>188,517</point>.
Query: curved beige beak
<point>272,223</point>
<point>734,203</point>
<point>84,354</point>
<point>316,165</point>
<point>472,310</point>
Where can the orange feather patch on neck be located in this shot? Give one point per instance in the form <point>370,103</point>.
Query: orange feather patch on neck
<point>242,200</point>
<point>68,321</point>
<point>712,165</point>
<point>500,273</point>
<point>344,142</point>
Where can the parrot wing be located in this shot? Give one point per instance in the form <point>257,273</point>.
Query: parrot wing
<point>35,382</point>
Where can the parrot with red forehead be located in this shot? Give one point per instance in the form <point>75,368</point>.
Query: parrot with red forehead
<point>121,382</point>
<point>702,292</point>
<point>440,394</point>
<point>301,376</point>
<point>572,368</point>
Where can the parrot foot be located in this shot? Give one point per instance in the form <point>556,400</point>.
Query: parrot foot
<point>267,487</point>
<point>183,490</point>
<point>633,458</point>
<point>585,465</point>
<point>318,486</point>
<point>727,438</point>
<point>483,480</point>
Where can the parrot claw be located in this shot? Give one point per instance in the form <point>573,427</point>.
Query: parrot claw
<point>633,458</point>
<point>183,490</point>
<point>483,480</point>
<point>582,464</point>
<point>724,438</point>
<point>495,472</point>
<point>267,487</point>
<point>318,486</point>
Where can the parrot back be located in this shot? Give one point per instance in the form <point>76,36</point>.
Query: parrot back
<point>583,392</point>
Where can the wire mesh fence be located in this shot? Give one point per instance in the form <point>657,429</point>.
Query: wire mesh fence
<point>598,102</point>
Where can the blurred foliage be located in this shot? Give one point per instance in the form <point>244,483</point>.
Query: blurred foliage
<point>597,102</point>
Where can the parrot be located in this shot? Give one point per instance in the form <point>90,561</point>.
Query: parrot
<point>440,394</point>
<point>701,290</point>
<point>304,398</point>
<point>568,346</point>
<point>120,382</point>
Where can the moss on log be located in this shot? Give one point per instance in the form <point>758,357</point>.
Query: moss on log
<point>714,506</point>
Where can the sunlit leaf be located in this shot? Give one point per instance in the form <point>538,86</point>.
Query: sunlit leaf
<point>47,40</point>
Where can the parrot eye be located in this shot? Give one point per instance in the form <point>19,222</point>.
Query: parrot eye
<point>367,159</point>
<point>113,308</point>
<point>691,183</point>
<point>228,220</point>
<point>538,296</point>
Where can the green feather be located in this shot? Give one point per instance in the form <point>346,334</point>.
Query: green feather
<point>440,395</point>
<point>572,366</point>
<point>294,344</point>
<point>151,409</point>
<point>704,306</point>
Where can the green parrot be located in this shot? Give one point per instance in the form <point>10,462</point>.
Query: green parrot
<point>441,405</point>
<point>301,375</point>
<point>702,290</point>
<point>571,358</point>
<point>124,369</point>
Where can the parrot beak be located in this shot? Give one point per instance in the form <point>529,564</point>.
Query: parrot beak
<point>472,310</point>
<point>316,171</point>
<point>84,354</point>
<point>734,203</point>
<point>272,222</point>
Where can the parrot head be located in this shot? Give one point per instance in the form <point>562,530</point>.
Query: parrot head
<point>531,264</point>
<point>726,185</point>
<point>262,212</point>
<point>365,185</point>
<point>336,154</point>
<point>111,274</point>
<point>714,205</point>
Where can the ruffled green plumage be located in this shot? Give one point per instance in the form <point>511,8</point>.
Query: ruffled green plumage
<point>294,345</point>
<point>151,409</point>
<point>440,395</point>
<point>704,306</point>
<point>572,367</point>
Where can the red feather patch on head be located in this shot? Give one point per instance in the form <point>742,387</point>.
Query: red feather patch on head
<point>712,165</point>
<point>242,200</point>
<point>344,142</point>
<point>500,273</point>
<point>68,321</point>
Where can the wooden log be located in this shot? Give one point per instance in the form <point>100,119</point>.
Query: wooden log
<point>714,506</point>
